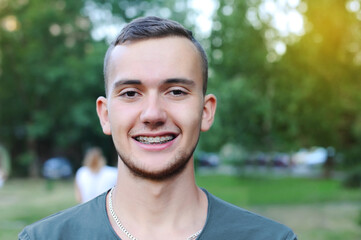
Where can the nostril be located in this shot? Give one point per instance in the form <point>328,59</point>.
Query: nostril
<point>153,114</point>
<point>154,124</point>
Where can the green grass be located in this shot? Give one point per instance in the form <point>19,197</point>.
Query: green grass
<point>314,209</point>
<point>25,201</point>
<point>264,191</point>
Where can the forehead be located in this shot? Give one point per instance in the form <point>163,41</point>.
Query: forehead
<point>155,60</point>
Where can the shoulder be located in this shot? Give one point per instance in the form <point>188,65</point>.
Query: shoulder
<point>227,221</point>
<point>82,171</point>
<point>72,223</point>
<point>110,169</point>
<point>83,174</point>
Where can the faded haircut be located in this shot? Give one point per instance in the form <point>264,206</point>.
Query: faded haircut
<point>155,27</point>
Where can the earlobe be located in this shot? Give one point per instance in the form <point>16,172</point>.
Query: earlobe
<point>102,111</point>
<point>209,110</point>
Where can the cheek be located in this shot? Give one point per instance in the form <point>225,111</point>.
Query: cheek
<point>122,118</point>
<point>187,118</point>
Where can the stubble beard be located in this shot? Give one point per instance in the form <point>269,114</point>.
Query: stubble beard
<point>174,168</point>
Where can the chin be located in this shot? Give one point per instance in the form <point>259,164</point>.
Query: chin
<point>175,168</point>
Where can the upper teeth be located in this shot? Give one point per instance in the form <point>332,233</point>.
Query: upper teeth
<point>154,139</point>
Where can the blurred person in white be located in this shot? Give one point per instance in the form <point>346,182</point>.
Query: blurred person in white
<point>4,165</point>
<point>2,178</point>
<point>94,177</point>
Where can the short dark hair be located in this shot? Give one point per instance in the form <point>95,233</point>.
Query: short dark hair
<point>155,27</point>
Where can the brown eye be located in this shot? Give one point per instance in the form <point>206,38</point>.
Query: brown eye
<point>178,92</point>
<point>129,94</point>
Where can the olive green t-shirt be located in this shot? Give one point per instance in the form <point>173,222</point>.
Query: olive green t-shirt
<point>90,221</point>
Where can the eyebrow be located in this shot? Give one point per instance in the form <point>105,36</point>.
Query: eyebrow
<point>179,80</point>
<point>139,82</point>
<point>126,82</point>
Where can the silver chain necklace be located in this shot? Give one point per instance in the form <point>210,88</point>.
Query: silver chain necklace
<point>124,230</point>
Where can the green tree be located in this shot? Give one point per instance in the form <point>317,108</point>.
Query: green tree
<point>239,78</point>
<point>308,96</point>
<point>49,69</point>
<point>319,79</point>
<point>51,74</point>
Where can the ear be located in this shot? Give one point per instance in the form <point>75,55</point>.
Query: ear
<point>209,110</point>
<point>103,114</point>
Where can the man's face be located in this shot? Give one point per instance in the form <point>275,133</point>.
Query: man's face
<point>155,107</point>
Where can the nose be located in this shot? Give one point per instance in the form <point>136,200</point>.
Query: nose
<point>153,114</point>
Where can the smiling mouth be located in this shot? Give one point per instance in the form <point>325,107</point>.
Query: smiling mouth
<point>155,140</point>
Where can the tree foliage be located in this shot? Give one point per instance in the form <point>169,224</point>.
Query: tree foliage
<point>307,97</point>
<point>240,79</point>
<point>50,68</point>
<point>323,68</point>
<point>51,74</point>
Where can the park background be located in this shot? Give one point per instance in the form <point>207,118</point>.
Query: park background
<point>286,74</point>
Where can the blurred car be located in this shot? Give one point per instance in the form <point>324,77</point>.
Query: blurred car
<point>281,160</point>
<point>312,157</point>
<point>261,159</point>
<point>57,168</point>
<point>208,159</point>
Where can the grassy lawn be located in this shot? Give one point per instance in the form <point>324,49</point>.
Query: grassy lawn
<point>314,209</point>
<point>25,201</point>
<point>265,191</point>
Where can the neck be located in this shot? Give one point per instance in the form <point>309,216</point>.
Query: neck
<point>169,209</point>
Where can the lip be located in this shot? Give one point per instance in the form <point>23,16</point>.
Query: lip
<point>155,147</point>
<point>154,134</point>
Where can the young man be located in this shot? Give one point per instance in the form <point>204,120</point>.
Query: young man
<point>154,109</point>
